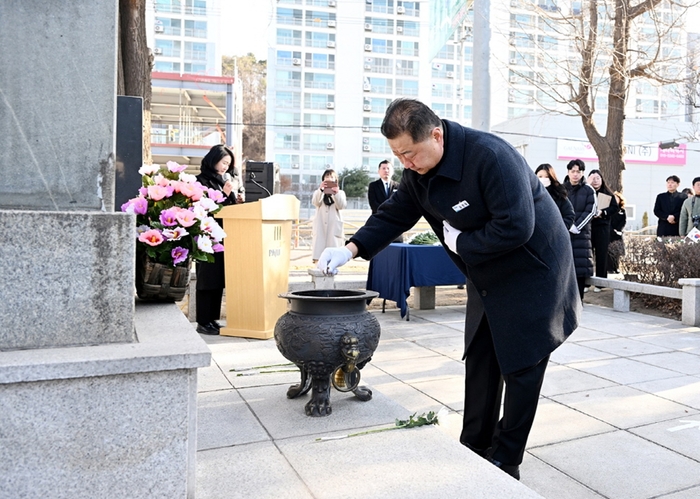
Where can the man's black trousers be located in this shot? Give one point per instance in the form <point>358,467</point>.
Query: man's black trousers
<point>482,429</point>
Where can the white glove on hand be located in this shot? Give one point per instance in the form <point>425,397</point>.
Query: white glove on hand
<point>574,230</point>
<point>450,235</point>
<point>332,258</point>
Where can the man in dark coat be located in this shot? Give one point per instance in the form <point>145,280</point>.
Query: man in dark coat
<point>668,208</point>
<point>381,189</point>
<point>505,233</point>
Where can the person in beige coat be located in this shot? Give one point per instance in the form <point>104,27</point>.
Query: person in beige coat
<point>328,222</point>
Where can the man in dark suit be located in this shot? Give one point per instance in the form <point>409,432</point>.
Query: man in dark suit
<point>381,189</point>
<point>668,208</point>
<point>505,233</point>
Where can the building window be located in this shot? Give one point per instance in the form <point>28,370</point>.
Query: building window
<point>319,120</point>
<point>286,140</point>
<point>170,27</point>
<point>320,40</point>
<point>288,37</point>
<point>287,161</point>
<point>288,58</point>
<point>196,29</point>
<point>196,7</point>
<point>319,101</point>
<point>380,46</point>
<point>380,25</point>
<point>320,61</point>
<point>291,17</point>
<point>379,65</point>
<point>195,68</point>
<point>287,118</point>
<point>407,48</point>
<point>442,110</point>
<point>446,52</point>
<point>412,9</point>
<point>409,28</point>
<point>318,19</point>
<point>317,142</point>
<point>408,88</point>
<point>444,90</point>
<point>377,104</point>
<point>287,100</point>
<point>380,6</point>
<point>318,163</point>
<point>319,80</point>
<point>174,6</point>
<point>380,85</point>
<point>196,51</point>
<point>406,68</point>
<point>288,78</point>
<point>168,48</point>
<point>167,67</point>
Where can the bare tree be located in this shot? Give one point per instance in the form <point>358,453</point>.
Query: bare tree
<point>608,43</point>
<point>252,74</point>
<point>135,62</point>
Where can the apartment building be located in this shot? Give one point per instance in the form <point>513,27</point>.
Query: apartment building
<point>335,65</point>
<point>184,36</point>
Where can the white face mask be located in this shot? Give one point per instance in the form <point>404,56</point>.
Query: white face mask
<point>545,181</point>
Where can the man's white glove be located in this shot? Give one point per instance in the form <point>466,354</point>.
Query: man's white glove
<point>332,258</point>
<point>574,230</point>
<point>450,235</point>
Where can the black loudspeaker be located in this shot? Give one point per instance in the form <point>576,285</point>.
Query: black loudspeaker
<point>261,180</point>
<point>129,149</point>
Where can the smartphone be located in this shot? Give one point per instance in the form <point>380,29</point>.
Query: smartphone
<point>329,187</point>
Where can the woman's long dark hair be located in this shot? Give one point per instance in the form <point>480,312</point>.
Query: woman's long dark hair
<point>555,189</point>
<point>603,186</point>
<point>216,154</point>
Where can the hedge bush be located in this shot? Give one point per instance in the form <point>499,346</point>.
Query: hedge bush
<point>653,260</point>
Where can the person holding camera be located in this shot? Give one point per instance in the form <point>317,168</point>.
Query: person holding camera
<point>327,230</point>
<point>690,212</point>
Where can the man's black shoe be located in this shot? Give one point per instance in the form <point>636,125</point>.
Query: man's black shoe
<point>207,329</point>
<point>215,324</point>
<point>512,469</point>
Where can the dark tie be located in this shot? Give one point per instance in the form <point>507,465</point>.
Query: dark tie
<point>386,189</point>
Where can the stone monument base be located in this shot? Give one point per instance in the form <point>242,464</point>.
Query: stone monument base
<point>112,420</point>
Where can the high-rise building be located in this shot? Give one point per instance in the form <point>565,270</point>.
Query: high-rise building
<point>184,36</point>
<point>335,65</point>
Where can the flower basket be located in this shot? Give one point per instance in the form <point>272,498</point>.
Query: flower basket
<point>156,281</point>
<point>174,226</point>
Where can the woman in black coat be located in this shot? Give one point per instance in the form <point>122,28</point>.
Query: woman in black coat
<point>549,179</point>
<point>600,227</point>
<point>216,173</point>
<point>618,220</point>
<point>583,199</point>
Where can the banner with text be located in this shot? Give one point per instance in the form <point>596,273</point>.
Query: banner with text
<point>635,152</point>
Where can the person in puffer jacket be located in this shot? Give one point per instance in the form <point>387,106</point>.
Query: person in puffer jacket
<point>583,198</point>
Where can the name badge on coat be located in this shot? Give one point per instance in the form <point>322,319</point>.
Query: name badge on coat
<point>460,206</point>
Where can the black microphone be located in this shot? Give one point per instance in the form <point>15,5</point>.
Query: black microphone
<point>251,177</point>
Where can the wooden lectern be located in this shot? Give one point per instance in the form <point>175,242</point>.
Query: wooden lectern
<point>258,245</point>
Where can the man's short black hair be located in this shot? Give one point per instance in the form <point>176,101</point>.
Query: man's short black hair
<point>696,180</point>
<point>674,178</point>
<point>576,162</point>
<point>409,116</point>
<point>384,161</point>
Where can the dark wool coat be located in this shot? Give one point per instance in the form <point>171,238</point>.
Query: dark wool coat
<point>668,204</point>
<point>376,194</point>
<point>583,198</point>
<point>513,248</point>
<point>565,208</point>
<point>211,275</point>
